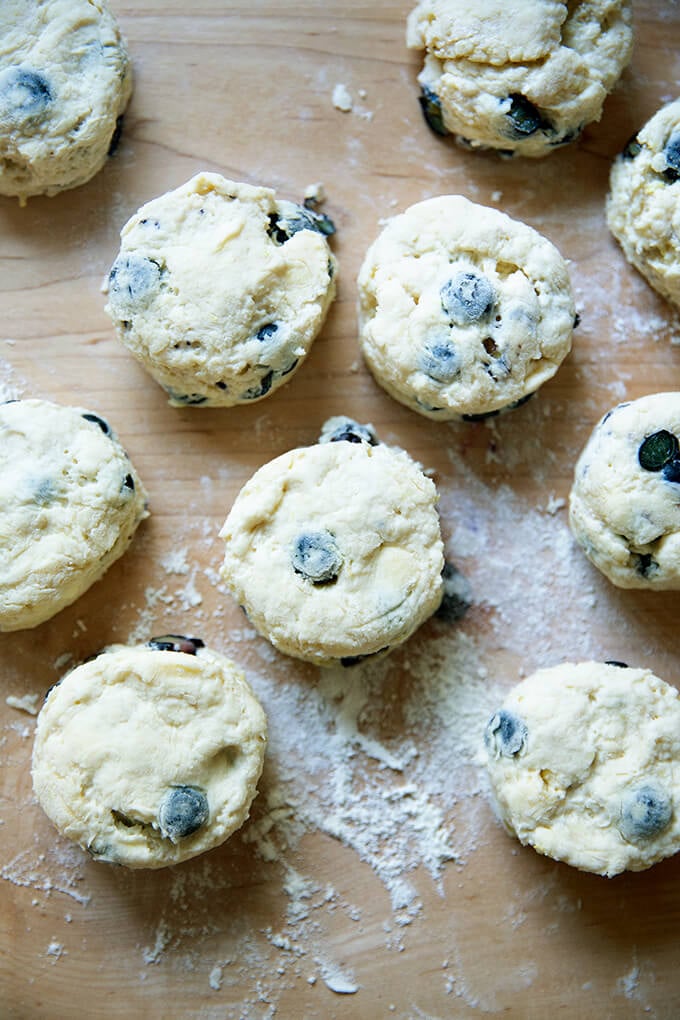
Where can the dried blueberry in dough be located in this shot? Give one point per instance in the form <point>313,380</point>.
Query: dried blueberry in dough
<point>133,280</point>
<point>467,297</point>
<point>176,643</point>
<point>69,506</point>
<point>624,509</point>
<point>506,734</point>
<point>316,557</point>
<point>147,756</point>
<point>340,429</point>
<point>334,550</point>
<point>24,94</point>
<point>643,204</point>
<point>220,288</point>
<point>524,117</point>
<point>65,80</point>
<point>521,78</point>
<point>432,110</point>
<point>591,776</point>
<point>463,312</point>
<point>657,450</point>
<point>183,811</point>
<point>645,812</point>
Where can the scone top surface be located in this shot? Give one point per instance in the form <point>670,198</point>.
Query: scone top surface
<point>520,77</point>
<point>643,206</point>
<point>625,501</point>
<point>147,756</point>
<point>335,550</point>
<point>584,761</point>
<point>219,289</point>
<point>65,79</point>
<point>463,311</point>
<point>70,501</point>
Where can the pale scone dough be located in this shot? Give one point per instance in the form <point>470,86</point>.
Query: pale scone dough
<point>65,80</point>
<point>643,206</point>
<point>335,551</point>
<point>220,288</point>
<point>584,763</point>
<point>520,77</point>
<point>624,508</point>
<point>462,310</point>
<point>70,501</point>
<point>151,754</point>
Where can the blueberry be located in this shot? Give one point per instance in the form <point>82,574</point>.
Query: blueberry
<point>431,105</point>
<point>103,425</point>
<point>191,399</point>
<point>645,812</point>
<point>440,361</point>
<point>467,297</point>
<point>506,734</point>
<point>24,93</point>
<point>291,219</point>
<point>657,450</point>
<point>115,137</point>
<point>354,660</point>
<point>671,470</point>
<point>175,643</point>
<point>129,483</point>
<point>457,597</point>
<point>482,416</point>
<point>672,154</point>
<point>262,388</point>
<point>351,432</point>
<point>316,557</point>
<point>632,148</point>
<point>524,117</point>
<point>134,278</point>
<point>183,810</point>
<point>267,332</point>
<point>615,662</point>
<point>645,564</point>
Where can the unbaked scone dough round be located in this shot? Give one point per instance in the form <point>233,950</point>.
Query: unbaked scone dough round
<point>335,550</point>
<point>70,501</point>
<point>643,206</point>
<point>220,288</point>
<point>149,755</point>
<point>584,763</point>
<point>65,80</point>
<point>462,310</point>
<point>624,508</point>
<point>521,77</point>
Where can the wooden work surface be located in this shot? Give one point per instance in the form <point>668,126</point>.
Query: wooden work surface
<point>337,898</point>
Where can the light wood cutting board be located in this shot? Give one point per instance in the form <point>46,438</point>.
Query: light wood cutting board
<point>335,899</point>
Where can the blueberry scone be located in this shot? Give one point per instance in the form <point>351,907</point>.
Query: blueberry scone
<point>463,311</point>
<point>65,80</point>
<point>70,501</point>
<point>149,755</point>
<point>624,508</point>
<point>334,550</point>
<point>219,289</point>
<point>643,206</point>
<point>584,763</point>
<point>519,77</point>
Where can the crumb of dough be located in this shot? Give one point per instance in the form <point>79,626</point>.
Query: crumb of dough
<point>27,703</point>
<point>342,100</point>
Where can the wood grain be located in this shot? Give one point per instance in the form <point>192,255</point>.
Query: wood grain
<point>246,89</point>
